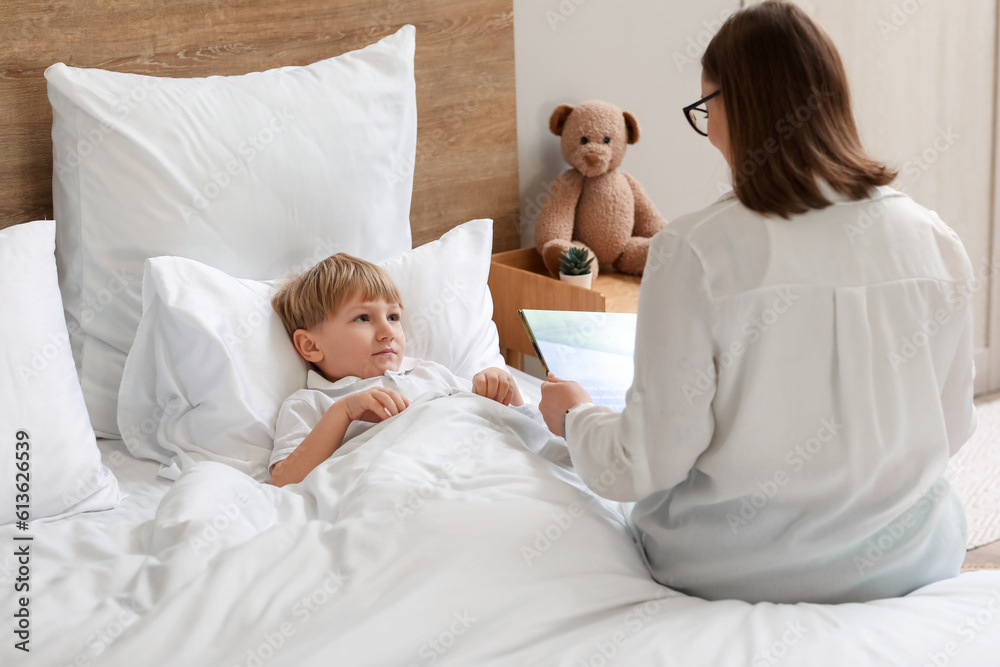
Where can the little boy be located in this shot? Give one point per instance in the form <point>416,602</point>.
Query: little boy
<point>344,316</point>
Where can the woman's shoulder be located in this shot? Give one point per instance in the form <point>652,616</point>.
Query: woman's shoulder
<point>899,204</point>
<point>725,221</point>
<point>727,204</point>
<point>729,214</point>
<point>907,213</point>
<point>687,225</point>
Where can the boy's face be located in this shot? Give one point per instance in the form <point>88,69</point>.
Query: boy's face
<point>363,339</point>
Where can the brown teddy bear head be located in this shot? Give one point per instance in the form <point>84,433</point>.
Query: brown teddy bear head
<point>594,135</point>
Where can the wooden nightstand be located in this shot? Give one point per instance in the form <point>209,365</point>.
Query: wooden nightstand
<point>518,279</point>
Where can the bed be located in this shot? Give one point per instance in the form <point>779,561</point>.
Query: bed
<point>144,381</point>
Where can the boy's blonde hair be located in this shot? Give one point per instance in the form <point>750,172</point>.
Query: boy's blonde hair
<point>310,298</point>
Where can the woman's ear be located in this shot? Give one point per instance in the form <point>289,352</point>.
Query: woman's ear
<point>306,346</point>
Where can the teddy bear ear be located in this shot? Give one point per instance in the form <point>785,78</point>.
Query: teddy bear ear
<point>632,127</point>
<point>557,121</point>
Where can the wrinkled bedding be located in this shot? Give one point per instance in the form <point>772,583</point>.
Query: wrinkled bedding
<point>455,533</point>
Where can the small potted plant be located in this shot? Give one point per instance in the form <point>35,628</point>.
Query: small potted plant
<point>574,267</point>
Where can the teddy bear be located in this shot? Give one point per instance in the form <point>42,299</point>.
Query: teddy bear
<point>594,205</point>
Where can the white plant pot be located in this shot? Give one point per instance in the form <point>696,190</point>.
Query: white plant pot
<point>582,281</point>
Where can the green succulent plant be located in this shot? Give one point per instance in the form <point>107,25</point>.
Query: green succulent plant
<point>575,262</point>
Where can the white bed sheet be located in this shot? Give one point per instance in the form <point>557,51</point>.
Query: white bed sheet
<point>501,559</point>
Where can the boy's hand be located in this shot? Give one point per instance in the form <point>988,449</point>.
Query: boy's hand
<point>497,384</point>
<point>372,405</point>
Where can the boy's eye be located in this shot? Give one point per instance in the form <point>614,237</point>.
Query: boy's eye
<point>362,318</point>
<point>394,317</point>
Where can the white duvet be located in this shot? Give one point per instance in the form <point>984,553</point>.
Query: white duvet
<point>452,534</point>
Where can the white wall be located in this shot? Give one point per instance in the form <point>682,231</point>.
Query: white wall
<point>641,55</point>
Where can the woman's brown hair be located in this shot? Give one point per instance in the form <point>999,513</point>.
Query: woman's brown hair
<point>789,112</point>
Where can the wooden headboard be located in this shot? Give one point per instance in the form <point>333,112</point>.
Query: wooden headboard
<point>466,164</point>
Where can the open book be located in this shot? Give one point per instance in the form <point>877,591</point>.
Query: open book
<point>594,349</point>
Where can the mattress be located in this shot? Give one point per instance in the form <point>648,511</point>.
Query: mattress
<point>459,536</point>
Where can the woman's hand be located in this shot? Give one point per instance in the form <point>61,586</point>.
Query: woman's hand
<point>372,405</point>
<point>497,384</point>
<point>558,396</point>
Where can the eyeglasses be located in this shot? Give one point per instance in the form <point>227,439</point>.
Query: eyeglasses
<point>697,114</point>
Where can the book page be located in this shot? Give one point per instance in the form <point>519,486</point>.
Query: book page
<point>594,349</point>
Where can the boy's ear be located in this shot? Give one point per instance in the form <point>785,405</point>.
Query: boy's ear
<point>306,346</point>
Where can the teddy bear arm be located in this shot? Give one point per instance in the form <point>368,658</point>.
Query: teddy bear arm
<point>555,223</point>
<point>557,215</point>
<point>633,259</point>
<point>648,220</point>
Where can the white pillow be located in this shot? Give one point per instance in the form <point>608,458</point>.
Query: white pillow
<point>59,463</point>
<point>447,305</point>
<point>212,363</point>
<point>255,175</point>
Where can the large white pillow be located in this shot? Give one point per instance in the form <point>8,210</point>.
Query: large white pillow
<point>254,175</point>
<point>47,448</point>
<point>212,363</point>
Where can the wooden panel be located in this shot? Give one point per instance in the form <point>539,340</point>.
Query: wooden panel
<point>466,163</point>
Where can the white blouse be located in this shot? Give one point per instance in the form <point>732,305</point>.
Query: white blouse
<point>799,386</point>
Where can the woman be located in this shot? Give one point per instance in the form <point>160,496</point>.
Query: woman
<point>803,358</point>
